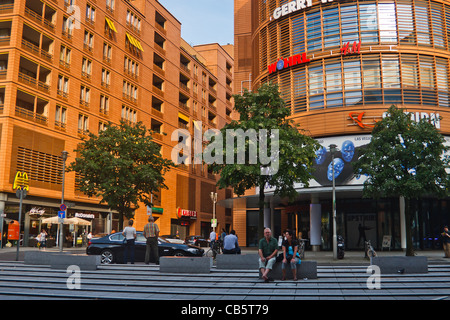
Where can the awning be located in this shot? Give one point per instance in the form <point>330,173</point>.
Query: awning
<point>182,116</point>
<point>111,25</point>
<point>134,42</point>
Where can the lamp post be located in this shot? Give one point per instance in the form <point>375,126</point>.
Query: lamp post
<point>214,200</point>
<point>64,155</point>
<point>333,149</point>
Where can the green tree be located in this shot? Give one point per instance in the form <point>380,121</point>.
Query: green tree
<point>404,158</point>
<point>291,152</point>
<point>122,166</point>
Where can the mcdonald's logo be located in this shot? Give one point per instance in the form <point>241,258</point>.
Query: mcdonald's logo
<point>21,181</point>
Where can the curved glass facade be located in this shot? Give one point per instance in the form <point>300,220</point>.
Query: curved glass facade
<point>403,57</point>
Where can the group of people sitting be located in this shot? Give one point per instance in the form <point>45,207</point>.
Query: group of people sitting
<point>229,242</point>
<point>268,250</point>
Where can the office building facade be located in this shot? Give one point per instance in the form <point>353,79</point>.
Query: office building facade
<point>68,68</point>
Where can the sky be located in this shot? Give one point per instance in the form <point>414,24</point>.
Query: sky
<point>204,21</point>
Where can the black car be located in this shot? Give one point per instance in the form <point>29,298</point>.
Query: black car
<point>111,248</point>
<point>197,241</point>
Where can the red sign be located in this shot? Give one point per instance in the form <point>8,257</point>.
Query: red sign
<point>288,62</point>
<point>358,119</point>
<point>186,213</point>
<point>346,49</point>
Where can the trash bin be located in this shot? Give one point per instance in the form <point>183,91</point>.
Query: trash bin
<point>13,230</point>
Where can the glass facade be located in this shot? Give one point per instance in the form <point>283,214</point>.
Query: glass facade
<point>398,53</point>
<point>403,57</point>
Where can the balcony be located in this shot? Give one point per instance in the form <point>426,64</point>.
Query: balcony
<point>30,47</point>
<point>31,116</point>
<point>6,8</point>
<point>32,82</point>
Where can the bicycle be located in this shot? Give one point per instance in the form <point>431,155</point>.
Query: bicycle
<point>214,251</point>
<point>370,251</point>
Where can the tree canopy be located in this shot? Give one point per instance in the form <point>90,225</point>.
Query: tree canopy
<point>122,166</point>
<point>404,158</point>
<point>248,163</point>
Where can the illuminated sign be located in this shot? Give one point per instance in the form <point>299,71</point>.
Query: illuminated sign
<point>358,118</point>
<point>290,7</point>
<point>433,118</point>
<point>186,213</point>
<point>21,181</point>
<point>288,62</point>
<point>346,49</point>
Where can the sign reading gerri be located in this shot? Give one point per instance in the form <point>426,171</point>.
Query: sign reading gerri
<point>290,7</point>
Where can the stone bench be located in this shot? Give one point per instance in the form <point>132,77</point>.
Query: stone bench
<point>395,265</point>
<point>307,269</point>
<point>185,264</point>
<point>237,261</point>
<point>62,260</point>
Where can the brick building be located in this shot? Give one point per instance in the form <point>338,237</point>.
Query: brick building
<point>68,68</point>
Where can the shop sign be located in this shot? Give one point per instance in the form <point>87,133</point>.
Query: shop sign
<point>186,213</point>
<point>84,215</point>
<point>433,118</point>
<point>35,210</point>
<point>288,62</point>
<point>355,48</point>
<point>21,181</point>
<point>358,119</point>
<point>291,7</point>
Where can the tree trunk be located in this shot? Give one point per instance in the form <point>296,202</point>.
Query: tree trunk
<point>408,225</point>
<point>261,211</point>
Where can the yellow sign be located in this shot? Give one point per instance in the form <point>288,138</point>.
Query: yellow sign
<point>21,181</point>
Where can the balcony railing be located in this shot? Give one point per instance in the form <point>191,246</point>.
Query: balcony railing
<point>6,8</point>
<point>32,116</point>
<point>35,50</point>
<point>32,82</point>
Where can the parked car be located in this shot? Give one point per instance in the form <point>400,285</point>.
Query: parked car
<point>172,239</point>
<point>197,241</point>
<point>111,248</point>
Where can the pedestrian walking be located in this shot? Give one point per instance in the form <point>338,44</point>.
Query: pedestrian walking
<point>212,238</point>
<point>446,242</point>
<point>130,237</point>
<point>43,240</point>
<point>151,233</point>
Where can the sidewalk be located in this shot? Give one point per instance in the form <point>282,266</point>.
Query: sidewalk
<point>322,257</point>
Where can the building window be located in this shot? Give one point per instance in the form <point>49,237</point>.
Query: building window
<point>106,78</point>
<point>133,21</point>
<point>88,41</point>
<point>63,86</point>
<point>130,91</point>
<point>83,124</point>
<point>67,27</point>
<point>85,96</point>
<point>104,105</point>
<point>64,56</point>
<point>129,114</point>
<point>60,117</point>
<point>90,14</point>
<point>131,67</point>
<point>86,68</point>
<point>107,52</point>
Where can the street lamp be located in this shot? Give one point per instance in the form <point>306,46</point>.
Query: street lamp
<point>214,200</point>
<point>333,149</point>
<point>64,155</point>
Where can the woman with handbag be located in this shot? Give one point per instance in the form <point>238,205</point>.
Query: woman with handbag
<point>290,254</point>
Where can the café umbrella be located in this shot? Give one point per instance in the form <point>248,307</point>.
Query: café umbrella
<point>77,221</point>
